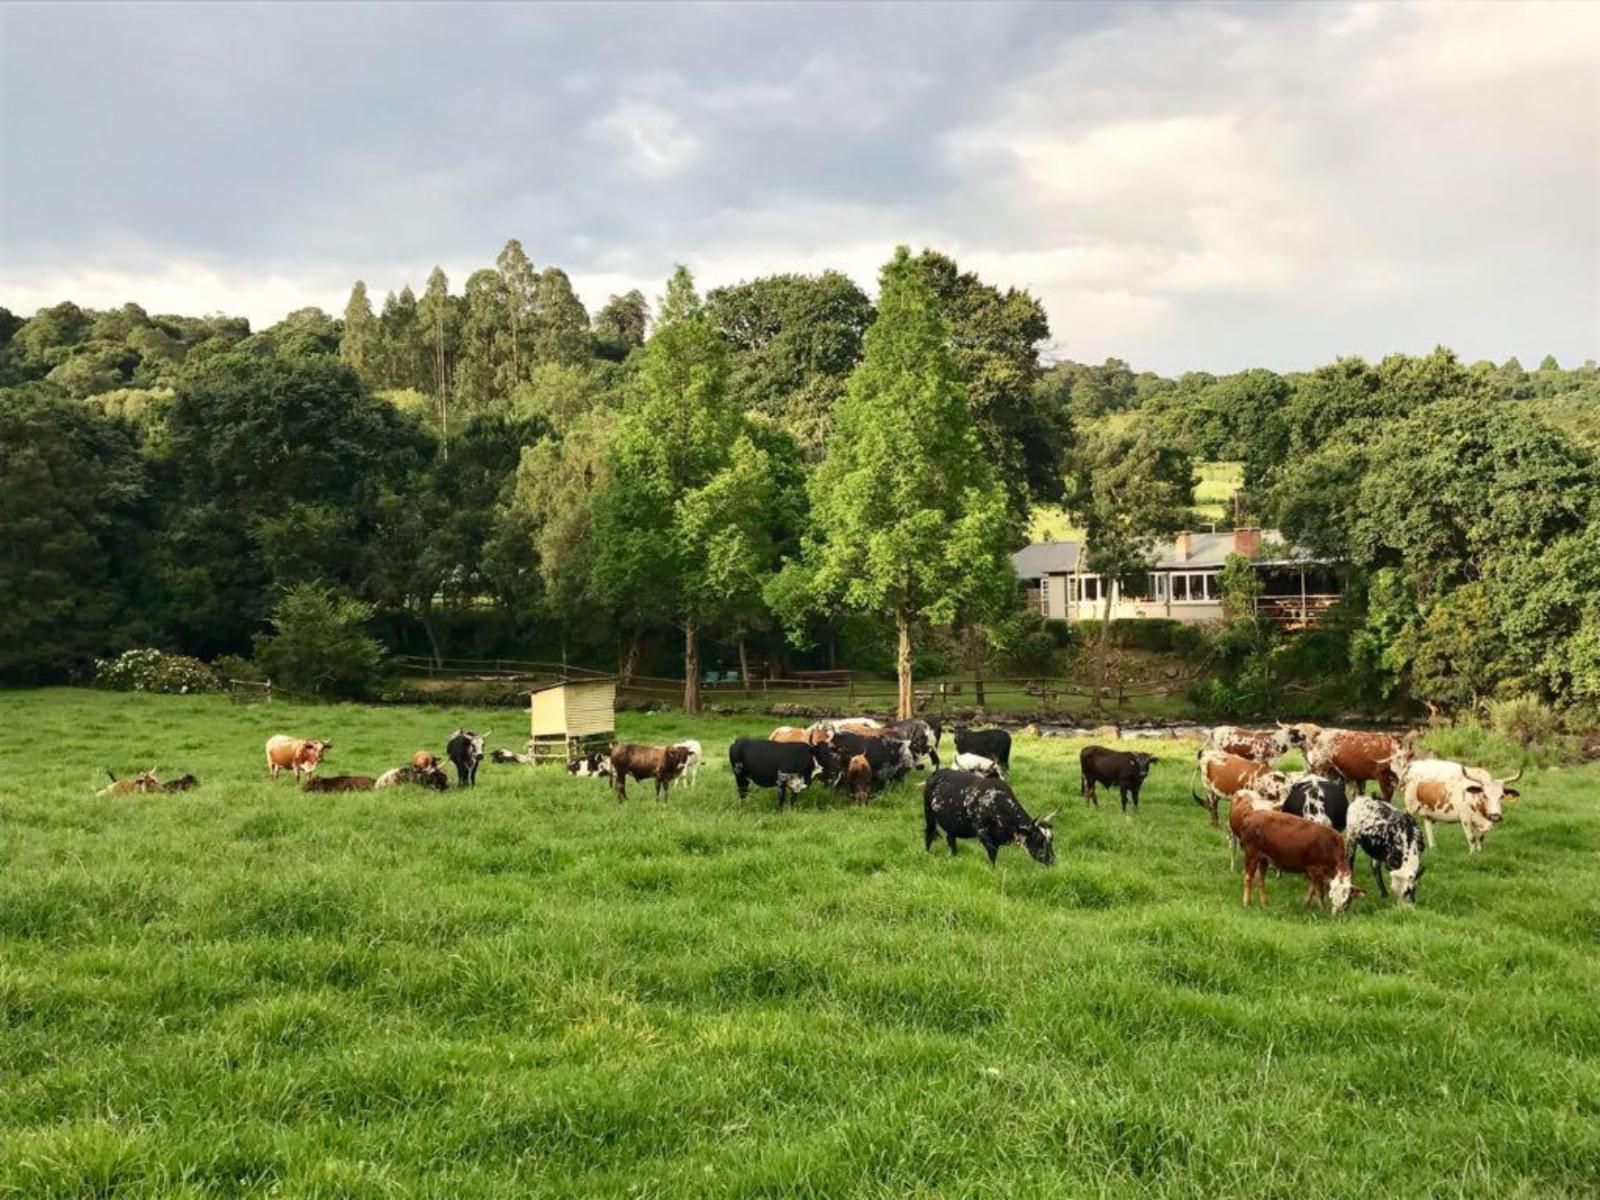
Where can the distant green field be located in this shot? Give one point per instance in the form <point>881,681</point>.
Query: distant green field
<point>1212,495</point>
<point>531,990</point>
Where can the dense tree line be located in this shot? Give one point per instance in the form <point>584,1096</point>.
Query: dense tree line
<point>779,468</point>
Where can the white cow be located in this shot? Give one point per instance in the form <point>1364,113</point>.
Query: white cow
<point>690,774</point>
<point>977,764</point>
<point>1437,789</point>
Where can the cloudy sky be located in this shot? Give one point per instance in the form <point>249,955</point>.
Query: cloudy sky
<point>1184,186</point>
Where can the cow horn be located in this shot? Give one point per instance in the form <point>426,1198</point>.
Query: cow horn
<point>1513,778</point>
<point>1045,820</point>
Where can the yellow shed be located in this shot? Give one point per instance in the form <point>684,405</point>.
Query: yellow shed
<point>571,718</point>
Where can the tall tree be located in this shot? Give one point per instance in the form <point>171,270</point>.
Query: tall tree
<point>521,284</point>
<point>359,340</point>
<point>400,339</point>
<point>437,315</point>
<point>911,524</point>
<point>620,326</point>
<point>561,329</point>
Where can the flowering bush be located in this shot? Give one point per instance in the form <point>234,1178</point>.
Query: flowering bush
<point>153,671</point>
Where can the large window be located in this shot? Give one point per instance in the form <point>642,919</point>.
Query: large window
<point>1084,589</point>
<point>1196,587</point>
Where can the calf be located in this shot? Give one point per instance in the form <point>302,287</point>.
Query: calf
<point>424,760</point>
<point>787,766</point>
<point>890,757</point>
<point>1317,798</point>
<point>970,806</point>
<point>1439,790</point>
<point>339,783</point>
<point>427,777</point>
<point>181,784</point>
<point>1113,768</point>
<point>856,778</point>
<point>593,765</point>
<point>991,743</point>
<point>691,766</point>
<point>660,763</point>
<point>144,781</point>
<point>300,755</point>
<point>465,750</point>
<point>1258,745</point>
<point>1242,803</point>
<point>1391,839</point>
<point>1300,847</point>
<point>977,764</point>
<point>1224,774</point>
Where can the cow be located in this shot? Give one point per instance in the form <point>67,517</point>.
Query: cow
<point>963,805</point>
<point>1391,839</point>
<point>890,757</point>
<point>1319,798</point>
<point>660,763</point>
<point>1224,774</point>
<point>1300,847</point>
<point>977,764</point>
<point>920,736</point>
<point>856,778</point>
<point>1355,756</point>
<point>593,765</point>
<point>991,743</point>
<point>1259,745</point>
<point>1245,800</point>
<point>424,760</point>
<point>144,781</point>
<point>812,735</point>
<point>691,767</point>
<point>300,755</point>
<point>1114,768</point>
<point>339,783</point>
<point>507,757</point>
<point>465,750</point>
<point>427,777</point>
<point>1439,790</point>
<point>182,783</point>
<point>787,766</point>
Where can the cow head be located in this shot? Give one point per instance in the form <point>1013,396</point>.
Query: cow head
<point>1301,734</point>
<point>1342,889</point>
<point>1040,840</point>
<point>146,781</point>
<point>1144,762</point>
<point>828,761</point>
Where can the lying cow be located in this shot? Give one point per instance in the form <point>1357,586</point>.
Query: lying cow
<point>990,743</point>
<point>339,783</point>
<point>1354,755</point>
<point>1439,790</point>
<point>1223,774</point>
<point>1258,745</point>
<point>424,760</point>
<point>426,777</point>
<point>660,763</point>
<point>144,781</point>
<point>970,806</point>
<point>787,766</point>
<point>182,783</point>
<point>1298,846</point>
<point>593,765</point>
<point>465,750</point>
<point>1391,839</point>
<point>507,757</point>
<point>691,766</point>
<point>300,755</point>
<point>1120,769</point>
<point>977,764</point>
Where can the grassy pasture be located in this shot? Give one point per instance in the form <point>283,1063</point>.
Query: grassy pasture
<point>530,990</point>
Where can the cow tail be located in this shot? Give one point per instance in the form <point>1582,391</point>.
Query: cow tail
<point>1194,795</point>
<point>110,776</point>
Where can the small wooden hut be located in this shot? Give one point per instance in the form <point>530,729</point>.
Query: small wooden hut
<point>571,719</point>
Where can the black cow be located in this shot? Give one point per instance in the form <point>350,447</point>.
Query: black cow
<point>1120,769</point>
<point>891,758</point>
<point>992,744</point>
<point>1318,797</point>
<point>1391,839</point>
<point>922,737</point>
<point>970,806</point>
<point>787,766</point>
<point>181,784</point>
<point>465,749</point>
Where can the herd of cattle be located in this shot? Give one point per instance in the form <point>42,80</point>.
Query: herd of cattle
<point>1310,822</point>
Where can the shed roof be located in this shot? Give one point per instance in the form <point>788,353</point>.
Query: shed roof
<point>545,687</point>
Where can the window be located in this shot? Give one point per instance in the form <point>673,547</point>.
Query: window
<point>1196,587</point>
<point>1044,594</point>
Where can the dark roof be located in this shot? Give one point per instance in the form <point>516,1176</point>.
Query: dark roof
<point>1045,558</point>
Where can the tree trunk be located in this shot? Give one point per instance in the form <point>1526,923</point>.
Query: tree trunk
<point>1102,654</point>
<point>744,665</point>
<point>433,642</point>
<point>975,657</point>
<point>907,705</point>
<point>691,668</point>
<point>630,660</point>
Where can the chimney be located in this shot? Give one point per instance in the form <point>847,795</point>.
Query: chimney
<point>1181,546</point>
<point>1247,541</point>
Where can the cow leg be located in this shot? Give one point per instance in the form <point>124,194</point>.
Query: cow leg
<point>930,830</point>
<point>1122,794</point>
<point>1247,885</point>
<point>993,848</point>
<point>1211,805</point>
<point>1377,873</point>
<point>951,838</point>
<point>1427,827</point>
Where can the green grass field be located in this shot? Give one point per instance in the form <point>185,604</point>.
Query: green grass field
<point>529,990</point>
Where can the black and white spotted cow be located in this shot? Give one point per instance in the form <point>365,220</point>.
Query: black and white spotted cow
<point>890,756</point>
<point>1391,839</point>
<point>787,766</point>
<point>922,738</point>
<point>465,750</point>
<point>1319,798</point>
<point>593,765</point>
<point>963,805</point>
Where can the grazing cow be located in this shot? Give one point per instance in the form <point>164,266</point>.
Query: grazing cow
<point>299,755</point>
<point>1318,798</point>
<point>593,765</point>
<point>661,763</point>
<point>977,764</point>
<point>919,735</point>
<point>691,766</point>
<point>1355,756</point>
<point>1300,847</point>
<point>812,735</point>
<point>144,781</point>
<point>890,757</point>
<point>1259,745</point>
<point>1114,768</point>
<point>182,783</point>
<point>857,778</point>
<point>969,806</point>
<point>787,766</point>
<point>1224,774</point>
<point>991,743</point>
<point>1391,839</point>
<point>424,760</point>
<point>339,783</point>
<point>1245,800</point>
<point>427,777</point>
<point>1439,790</point>
<point>465,750</point>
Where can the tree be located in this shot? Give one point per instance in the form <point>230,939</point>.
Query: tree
<point>620,326</point>
<point>521,286</point>
<point>359,343</point>
<point>402,356</point>
<point>1129,492</point>
<point>484,360</point>
<point>438,317</point>
<point>910,523</point>
<point>318,644</point>
<point>561,330</point>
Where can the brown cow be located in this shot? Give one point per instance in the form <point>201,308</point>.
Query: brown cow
<point>857,778</point>
<point>299,755</point>
<point>144,781</point>
<point>1245,801</point>
<point>815,735</point>
<point>1300,847</point>
<point>339,783</point>
<point>424,760</point>
<point>661,763</point>
<point>861,728</point>
<point>1224,774</point>
<point>1260,745</point>
<point>1357,756</point>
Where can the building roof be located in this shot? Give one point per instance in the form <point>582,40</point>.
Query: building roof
<point>1045,558</point>
<point>545,687</point>
<point>1205,550</point>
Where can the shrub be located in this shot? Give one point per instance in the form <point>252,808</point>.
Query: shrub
<point>1526,719</point>
<point>1060,632</point>
<point>319,646</point>
<point>153,671</point>
<point>237,666</point>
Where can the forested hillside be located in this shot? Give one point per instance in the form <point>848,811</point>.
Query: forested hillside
<point>785,471</point>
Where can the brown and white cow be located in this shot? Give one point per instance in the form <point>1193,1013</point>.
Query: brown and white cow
<point>144,781</point>
<point>660,763</point>
<point>1223,774</point>
<point>1437,789</point>
<point>814,735</point>
<point>857,778</point>
<point>300,755</point>
<point>1300,847</point>
<point>1261,745</point>
<point>1356,756</point>
<point>424,760</point>
<point>1245,800</point>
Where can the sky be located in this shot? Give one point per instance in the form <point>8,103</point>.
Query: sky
<point>1185,187</point>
